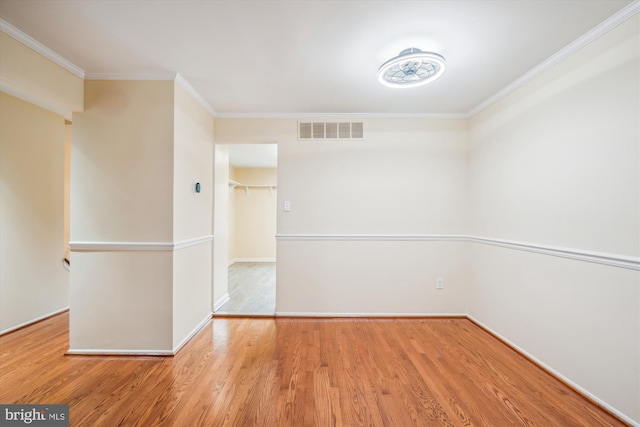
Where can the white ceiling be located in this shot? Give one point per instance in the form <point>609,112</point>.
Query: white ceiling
<point>253,155</point>
<point>257,58</point>
<point>315,57</point>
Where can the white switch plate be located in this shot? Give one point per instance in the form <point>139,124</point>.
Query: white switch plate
<point>287,206</point>
<point>440,283</point>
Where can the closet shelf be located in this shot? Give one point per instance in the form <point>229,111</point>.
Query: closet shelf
<point>233,184</point>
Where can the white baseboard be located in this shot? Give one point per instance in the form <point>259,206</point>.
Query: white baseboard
<point>244,315</point>
<point>378,315</point>
<point>556,373</point>
<point>195,330</point>
<point>121,352</point>
<point>222,301</point>
<point>117,352</point>
<point>233,261</point>
<point>32,321</point>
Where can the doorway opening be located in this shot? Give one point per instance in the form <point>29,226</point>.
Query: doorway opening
<point>251,229</point>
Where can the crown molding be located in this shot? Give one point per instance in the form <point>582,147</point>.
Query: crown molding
<point>598,31</point>
<point>342,116</point>
<point>131,76</point>
<point>176,77</point>
<point>184,84</point>
<point>601,29</point>
<point>28,41</point>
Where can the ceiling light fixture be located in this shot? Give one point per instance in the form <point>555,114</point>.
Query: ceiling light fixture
<point>411,68</point>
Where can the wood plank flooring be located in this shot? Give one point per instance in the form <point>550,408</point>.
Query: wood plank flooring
<point>252,289</point>
<point>297,372</point>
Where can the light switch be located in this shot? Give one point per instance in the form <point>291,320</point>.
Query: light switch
<point>287,206</point>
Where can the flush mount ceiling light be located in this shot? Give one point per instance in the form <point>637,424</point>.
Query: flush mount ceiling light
<point>411,68</point>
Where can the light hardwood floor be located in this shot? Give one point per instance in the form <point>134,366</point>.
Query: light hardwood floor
<point>297,372</point>
<point>252,289</point>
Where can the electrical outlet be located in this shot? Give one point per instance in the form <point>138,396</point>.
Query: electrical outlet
<point>440,283</point>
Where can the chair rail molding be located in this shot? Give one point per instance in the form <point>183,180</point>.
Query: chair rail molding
<point>614,260</point>
<point>89,246</point>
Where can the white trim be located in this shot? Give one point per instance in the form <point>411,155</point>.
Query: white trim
<point>32,321</point>
<point>555,373</point>
<point>192,242</point>
<point>119,246</point>
<point>233,261</point>
<point>117,352</point>
<point>176,77</point>
<point>222,301</point>
<point>614,260</point>
<point>243,314</point>
<point>610,23</point>
<point>131,76</point>
<point>35,100</point>
<point>377,315</point>
<point>342,116</point>
<point>28,41</point>
<point>184,84</point>
<point>560,56</point>
<point>191,334</point>
<point>137,246</point>
<point>373,237</point>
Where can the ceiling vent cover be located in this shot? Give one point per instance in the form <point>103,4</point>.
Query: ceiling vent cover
<point>330,130</point>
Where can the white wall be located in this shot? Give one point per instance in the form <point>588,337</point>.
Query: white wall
<point>408,177</point>
<point>345,277</point>
<point>121,301</point>
<point>137,149</point>
<point>252,215</point>
<point>28,75</point>
<point>33,282</point>
<point>122,191</point>
<point>192,290</point>
<point>37,95</point>
<point>192,214</point>
<point>221,225</point>
<point>232,221</point>
<point>557,164</point>
<point>67,188</point>
<point>122,162</point>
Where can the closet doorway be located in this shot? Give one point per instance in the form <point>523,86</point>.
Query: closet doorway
<point>252,208</point>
